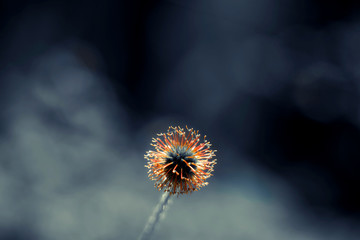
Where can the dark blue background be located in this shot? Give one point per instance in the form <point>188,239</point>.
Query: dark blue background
<point>274,85</point>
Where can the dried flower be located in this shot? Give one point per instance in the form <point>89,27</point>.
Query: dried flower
<point>181,163</point>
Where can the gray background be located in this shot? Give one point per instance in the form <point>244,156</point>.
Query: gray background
<point>273,84</point>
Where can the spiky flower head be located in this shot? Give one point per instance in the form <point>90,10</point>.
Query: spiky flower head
<point>181,163</point>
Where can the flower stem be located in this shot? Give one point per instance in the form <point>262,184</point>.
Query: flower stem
<point>155,217</point>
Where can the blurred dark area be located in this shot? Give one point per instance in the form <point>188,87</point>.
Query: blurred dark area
<point>273,80</point>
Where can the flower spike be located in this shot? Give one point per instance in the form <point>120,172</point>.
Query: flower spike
<point>181,163</point>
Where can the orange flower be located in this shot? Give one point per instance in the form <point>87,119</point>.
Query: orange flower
<point>180,164</point>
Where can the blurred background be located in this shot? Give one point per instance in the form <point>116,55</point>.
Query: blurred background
<point>274,84</point>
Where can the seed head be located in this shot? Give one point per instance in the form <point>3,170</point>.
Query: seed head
<point>180,163</point>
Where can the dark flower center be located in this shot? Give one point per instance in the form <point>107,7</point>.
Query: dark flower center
<point>181,159</point>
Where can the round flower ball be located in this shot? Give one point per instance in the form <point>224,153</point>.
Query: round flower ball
<point>181,162</point>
